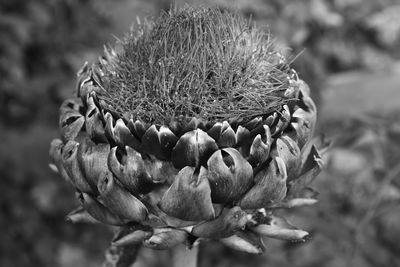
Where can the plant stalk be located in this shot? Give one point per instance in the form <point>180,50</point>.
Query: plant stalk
<point>183,257</point>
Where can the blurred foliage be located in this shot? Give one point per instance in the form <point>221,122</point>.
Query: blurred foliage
<point>42,45</point>
<point>329,36</point>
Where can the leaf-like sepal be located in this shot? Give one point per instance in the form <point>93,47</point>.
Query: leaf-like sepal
<point>120,201</point>
<point>129,168</point>
<point>310,168</point>
<point>288,150</point>
<point>245,241</point>
<point>94,122</point>
<point>254,123</point>
<point>159,142</point>
<point>283,121</point>
<point>98,210</point>
<point>80,215</point>
<point>304,119</point>
<point>230,175</point>
<point>165,238</point>
<point>189,196</point>
<point>259,150</point>
<point>71,165</point>
<point>160,171</point>
<point>227,138</point>
<point>71,120</point>
<point>120,133</point>
<point>193,149</point>
<point>132,234</point>
<point>277,227</point>
<point>55,152</point>
<point>138,128</point>
<point>215,131</point>
<point>92,160</point>
<point>193,124</point>
<point>270,185</point>
<point>226,224</point>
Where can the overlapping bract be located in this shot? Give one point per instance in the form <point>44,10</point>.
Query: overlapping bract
<point>193,180</point>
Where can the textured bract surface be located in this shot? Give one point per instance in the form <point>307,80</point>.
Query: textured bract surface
<point>190,180</point>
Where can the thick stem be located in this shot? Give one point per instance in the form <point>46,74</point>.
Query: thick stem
<point>183,257</point>
<point>123,256</point>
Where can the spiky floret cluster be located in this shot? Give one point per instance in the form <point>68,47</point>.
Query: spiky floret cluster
<point>188,177</point>
<point>197,63</point>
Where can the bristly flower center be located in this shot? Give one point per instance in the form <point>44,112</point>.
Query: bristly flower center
<point>196,62</point>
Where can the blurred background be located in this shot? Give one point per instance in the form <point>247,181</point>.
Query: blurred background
<point>348,51</point>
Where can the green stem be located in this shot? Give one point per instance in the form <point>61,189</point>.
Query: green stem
<point>183,257</point>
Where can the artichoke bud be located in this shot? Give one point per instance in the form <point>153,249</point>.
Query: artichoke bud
<point>270,186</point>
<point>92,160</point>
<point>80,215</point>
<point>259,150</point>
<point>129,168</point>
<point>165,238</point>
<point>94,123</point>
<point>71,165</point>
<point>193,149</point>
<point>71,120</point>
<point>132,234</point>
<point>277,227</point>
<point>230,175</point>
<point>245,241</point>
<point>120,201</point>
<point>189,196</point>
<point>288,150</point>
<point>98,211</point>
<point>159,142</point>
<point>188,163</point>
<point>229,222</point>
<point>55,152</point>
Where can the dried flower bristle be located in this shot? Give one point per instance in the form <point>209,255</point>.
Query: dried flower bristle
<point>196,63</point>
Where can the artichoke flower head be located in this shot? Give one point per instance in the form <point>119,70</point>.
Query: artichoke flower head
<point>193,127</point>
